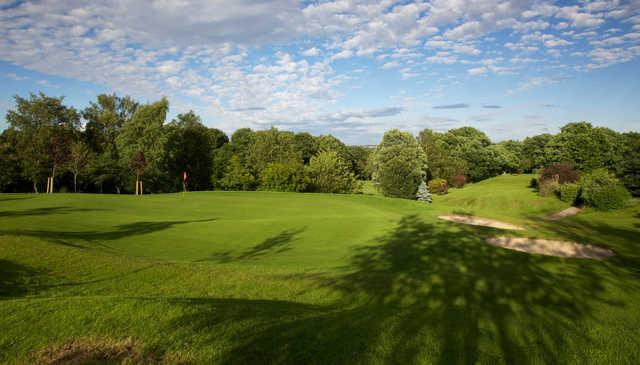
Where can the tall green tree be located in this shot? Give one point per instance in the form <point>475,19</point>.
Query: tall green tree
<point>144,133</point>
<point>533,152</point>
<point>510,156</point>
<point>399,165</point>
<point>272,146</point>
<point>441,162</point>
<point>217,138</point>
<point>283,177</point>
<point>10,168</point>
<point>327,172</point>
<point>104,118</point>
<point>43,122</point>
<point>241,141</point>
<point>585,147</point>
<point>78,160</point>
<point>629,170</point>
<point>472,146</point>
<point>221,157</point>
<point>359,159</point>
<point>189,147</point>
<point>236,176</point>
<point>307,145</point>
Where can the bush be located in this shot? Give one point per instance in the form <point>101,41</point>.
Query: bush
<point>569,193</point>
<point>548,187</point>
<point>439,186</point>
<point>458,181</point>
<point>533,183</point>
<point>561,172</point>
<point>602,190</point>
<point>282,177</point>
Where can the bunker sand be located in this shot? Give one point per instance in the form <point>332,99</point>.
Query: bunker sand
<point>477,221</point>
<point>564,213</point>
<point>551,247</point>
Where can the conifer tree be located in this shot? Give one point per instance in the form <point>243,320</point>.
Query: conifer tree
<point>423,193</point>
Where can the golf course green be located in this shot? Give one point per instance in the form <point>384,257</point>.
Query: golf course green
<point>295,278</point>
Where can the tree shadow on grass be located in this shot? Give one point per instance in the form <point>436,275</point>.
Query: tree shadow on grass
<point>17,280</point>
<point>426,293</point>
<point>271,245</point>
<point>7,198</point>
<point>96,238</point>
<point>44,211</point>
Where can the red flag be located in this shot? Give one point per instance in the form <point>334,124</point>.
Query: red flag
<point>184,176</point>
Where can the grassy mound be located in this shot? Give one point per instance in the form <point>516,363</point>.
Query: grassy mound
<point>239,277</point>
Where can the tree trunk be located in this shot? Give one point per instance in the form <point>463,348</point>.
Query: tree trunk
<point>137,183</point>
<point>75,182</point>
<point>35,186</point>
<point>53,175</point>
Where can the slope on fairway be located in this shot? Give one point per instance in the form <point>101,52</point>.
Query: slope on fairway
<point>258,277</point>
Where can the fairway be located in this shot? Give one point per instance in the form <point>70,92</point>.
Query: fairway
<point>303,278</point>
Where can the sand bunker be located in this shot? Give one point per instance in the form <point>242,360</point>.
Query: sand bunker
<point>564,213</point>
<point>477,221</point>
<point>551,247</point>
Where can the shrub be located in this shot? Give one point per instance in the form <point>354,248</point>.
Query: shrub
<point>282,177</point>
<point>569,193</point>
<point>533,183</point>
<point>423,193</point>
<point>458,181</point>
<point>561,172</point>
<point>602,190</point>
<point>548,187</point>
<point>439,186</point>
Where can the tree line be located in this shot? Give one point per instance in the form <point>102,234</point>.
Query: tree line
<point>115,143</point>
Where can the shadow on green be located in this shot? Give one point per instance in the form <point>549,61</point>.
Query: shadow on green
<point>426,293</point>
<point>271,245</point>
<point>75,238</point>
<point>45,211</point>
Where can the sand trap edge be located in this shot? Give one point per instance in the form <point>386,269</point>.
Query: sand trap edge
<point>569,212</point>
<point>555,248</point>
<point>478,221</point>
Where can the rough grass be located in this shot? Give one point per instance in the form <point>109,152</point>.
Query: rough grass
<point>255,277</point>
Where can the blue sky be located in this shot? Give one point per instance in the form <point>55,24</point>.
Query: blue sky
<point>346,67</point>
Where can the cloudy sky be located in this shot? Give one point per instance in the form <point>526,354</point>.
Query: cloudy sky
<point>347,67</point>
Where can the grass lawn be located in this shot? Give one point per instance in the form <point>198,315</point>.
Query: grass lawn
<point>262,277</point>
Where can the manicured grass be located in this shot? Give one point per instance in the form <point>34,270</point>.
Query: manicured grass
<point>260,277</point>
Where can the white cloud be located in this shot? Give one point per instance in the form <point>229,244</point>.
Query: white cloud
<point>16,77</point>
<point>442,57</point>
<point>552,41</point>
<point>211,53</point>
<point>477,71</point>
<point>311,52</point>
<point>392,64</point>
<point>535,82</point>
<point>579,18</point>
<point>342,54</point>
